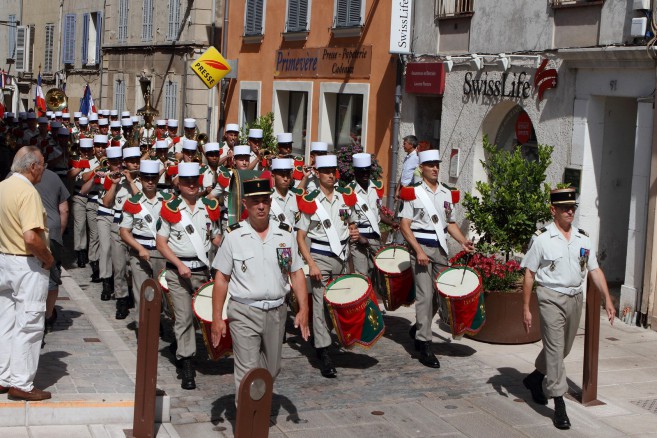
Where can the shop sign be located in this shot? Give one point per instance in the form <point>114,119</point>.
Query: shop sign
<point>211,67</point>
<point>515,85</point>
<point>523,128</point>
<point>324,62</point>
<point>401,22</point>
<point>425,78</point>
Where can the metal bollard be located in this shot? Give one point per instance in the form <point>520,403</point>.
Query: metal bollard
<point>143,425</point>
<point>254,405</point>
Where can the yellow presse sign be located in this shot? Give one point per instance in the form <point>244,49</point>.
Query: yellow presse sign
<point>211,67</point>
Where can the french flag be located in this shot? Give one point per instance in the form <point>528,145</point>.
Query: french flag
<point>87,102</point>
<point>39,99</point>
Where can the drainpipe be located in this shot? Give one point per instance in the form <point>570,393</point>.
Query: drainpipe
<point>210,132</point>
<point>224,82</point>
<point>184,85</point>
<point>59,46</point>
<point>648,310</point>
<point>395,133</point>
<point>100,61</point>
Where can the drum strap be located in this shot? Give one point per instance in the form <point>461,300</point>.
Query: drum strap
<point>147,218</point>
<point>362,204</point>
<point>331,233</point>
<point>194,236</point>
<point>421,195</point>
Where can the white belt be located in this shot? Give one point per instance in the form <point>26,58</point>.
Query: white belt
<point>570,291</point>
<point>144,241</point>
<point>193,264</point>
<point>105,210</point>
<point>260,304</point>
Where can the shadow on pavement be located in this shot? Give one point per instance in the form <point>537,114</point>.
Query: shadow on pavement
<point>508,383</point>
<point>51,369</point>
<point>64,318</point>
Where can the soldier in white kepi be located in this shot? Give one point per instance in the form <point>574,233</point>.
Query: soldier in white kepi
<point>426,218</point>
<point>255,142</point>
<point>187,229</point>
<point>559,258</point>
<point>284,202</point>
<point>257,261</point>
<point>309,181</point>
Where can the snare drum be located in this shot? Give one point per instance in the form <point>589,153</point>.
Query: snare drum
<point>394,277</point>
<point>202,305</point>
<point>168,304</point>
<point>460,288</point>
<point>354,310</point>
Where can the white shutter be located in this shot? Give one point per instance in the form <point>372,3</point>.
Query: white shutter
<point>170,99</point>
<point>50,35</point>
<point>22,43</point>
<point>174,19</point>
<point>147,23</point>
<point>11,36</point>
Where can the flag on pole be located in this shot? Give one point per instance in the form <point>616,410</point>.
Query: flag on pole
<point>39,99</point>
<point>87,102</point>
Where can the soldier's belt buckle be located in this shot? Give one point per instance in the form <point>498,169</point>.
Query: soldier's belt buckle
<point>327,223</point>
<point>148,218</point>
<point>434,218</point>
<point>365,208</point>
<point>190,229</point>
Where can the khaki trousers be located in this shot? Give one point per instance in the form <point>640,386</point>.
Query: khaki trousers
<point>426,301</point>
<point>104,245</point>
<point>92,223</point>
<point>182,290</point>
<point>257,339</point>
<point>119,252</point>
<point>560,315</point>
<point>142,270</point>
<point>79,207</point>
<point>363,257</point>
<point>331,267</point>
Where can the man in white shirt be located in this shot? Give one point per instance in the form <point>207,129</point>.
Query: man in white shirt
<point>411,162</point>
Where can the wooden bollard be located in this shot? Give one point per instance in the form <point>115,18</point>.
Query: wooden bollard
<point>254,404</point>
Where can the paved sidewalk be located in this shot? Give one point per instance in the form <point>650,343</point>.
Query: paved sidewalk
<point>88,362</point>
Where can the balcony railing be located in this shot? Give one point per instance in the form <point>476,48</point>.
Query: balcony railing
<point>454,8</point>
<point>573,3</point>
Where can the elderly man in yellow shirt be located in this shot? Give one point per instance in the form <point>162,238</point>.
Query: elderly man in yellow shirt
<point>25,262</point>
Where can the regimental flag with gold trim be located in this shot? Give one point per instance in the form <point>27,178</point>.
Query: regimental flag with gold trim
<point>211,67</point>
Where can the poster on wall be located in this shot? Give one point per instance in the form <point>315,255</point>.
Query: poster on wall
<point>454,163</point>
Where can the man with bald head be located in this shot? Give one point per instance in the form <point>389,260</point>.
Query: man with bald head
<point>25,262</point>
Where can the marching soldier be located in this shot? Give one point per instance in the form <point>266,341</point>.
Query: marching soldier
<point>93,123</point>
<point>103,127</point>
<point>100,146</point>
<point>66,120</point>
<point>57,157</point>
<point>257,261</point>
<point>138,227</point>
<point>284,202</point>
<point>209,171</point>
<point>113,115</point>
<point>31,129</point>
<point>124,185</point>
<point>116,137</point>
<point>231,139</point>
<point>254,140</point>
<point>173,140</point>
<point>184,236</point>
<point>76,173</point>
<point>309,181</point>
<point>160,130</point>
<point>328,219</point>
<point>425,219</point>
<point>161,155</point>
<point>284,144</point>
<point>126,131</point>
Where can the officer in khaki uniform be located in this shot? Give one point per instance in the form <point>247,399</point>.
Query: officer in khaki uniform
<point>559,258</point>
<point>426,218</point>
<point>186,231</point>
<point>328,219</point>
<point>255,264</point>
<point>78,168</point>
<point>138,227</point>
<point>125,184</point>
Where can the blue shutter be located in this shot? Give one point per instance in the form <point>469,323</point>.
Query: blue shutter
<point>11,36</point>
<point>147,21</point>
<point>354,13</point>
<point>253,21</point>
<point>174,19</point>
<point>99,34</point>
<point>293,15</point>
<point>68,49</point>
<point>170,99</point>
<point>348,13</point>
<point>85,38</point>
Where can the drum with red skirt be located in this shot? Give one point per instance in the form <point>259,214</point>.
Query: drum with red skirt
<point>460,288</point>
<point>354,310</point>
<point>202,305</point>
<point>394,277</point>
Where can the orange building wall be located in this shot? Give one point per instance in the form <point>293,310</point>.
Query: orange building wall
<point>257,62</point>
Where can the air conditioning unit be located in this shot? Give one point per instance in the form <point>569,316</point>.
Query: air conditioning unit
<point>641,5</point>
<point>639,27</point>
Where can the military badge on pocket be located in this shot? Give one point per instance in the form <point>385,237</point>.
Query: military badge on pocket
<point>284,256</point>
<point>344,215</point>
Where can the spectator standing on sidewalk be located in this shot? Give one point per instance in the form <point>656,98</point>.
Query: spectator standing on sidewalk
<point>24,264</point>
<point>558,260</point>
<point>54,197</point>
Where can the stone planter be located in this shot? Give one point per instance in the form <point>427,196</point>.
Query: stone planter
<point>504,319</point>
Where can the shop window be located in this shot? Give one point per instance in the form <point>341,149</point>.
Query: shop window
<point>297,110</point>
<point>454,8</point>
<point>515,130</point>
<point>348,120</point>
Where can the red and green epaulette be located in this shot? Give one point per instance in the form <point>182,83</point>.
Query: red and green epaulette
<point>378,185</point>
<point>172,170</point>
<point>297,173</point>
<point>79,164</point>
<point>296,191</point>
<point>203,168</point>
<point>166,196</point>
<point>171,211</point>
<point>306,202</point>
<point>213,208</point>
<point>407,193</point>
<point>176,140</point>
<point>132,205</point>
<point>223,176</point>
<point>348,194</point>
<point>107,183</point>
<point>456,194</point>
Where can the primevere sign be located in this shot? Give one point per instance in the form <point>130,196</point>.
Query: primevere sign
<point>324,62</point>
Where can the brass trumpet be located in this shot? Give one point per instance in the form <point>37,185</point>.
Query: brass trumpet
<point>202,139</point>
<point>56,100</point>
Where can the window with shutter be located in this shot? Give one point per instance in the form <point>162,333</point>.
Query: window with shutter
<point>119,95</point>
<point>253,19</point>
<point>99,33</point>
<point>297,15</point>
<point>85,38</point>
<point>30,50</point>
<point>11,36</point>
<point>170,99</point>
<point>123,20</point>
<point>147,22</point>
<point>50,36</point>
<point>21,40</point>
<point>174,20</point>
<point>348,13</point>
<point>68,42</point>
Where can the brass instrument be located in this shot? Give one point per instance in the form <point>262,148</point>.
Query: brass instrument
<point>202,139</point>
<point>56,100</point>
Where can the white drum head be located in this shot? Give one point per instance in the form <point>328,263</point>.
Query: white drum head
<point>393,260</point>
<point>457,282</point>
<point>306,270</point>
<point>202,303</point>
<point>347,289</point>
<point>162,279</point>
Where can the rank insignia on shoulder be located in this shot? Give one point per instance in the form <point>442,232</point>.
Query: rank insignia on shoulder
<point>540,231</point>
<point>583,232</point>
<point>232,227</point>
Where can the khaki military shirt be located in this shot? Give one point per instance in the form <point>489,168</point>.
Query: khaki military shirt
<point>177,237</point>
<point>422,223</point>
<point>560,264</point>
<point>373,202</point>
<point>287,204</point>
<point>259,269</point>
<point>137,224</point>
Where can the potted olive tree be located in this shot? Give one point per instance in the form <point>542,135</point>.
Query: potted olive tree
<point>505,215</point>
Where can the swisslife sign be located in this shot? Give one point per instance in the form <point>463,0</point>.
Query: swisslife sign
<point>401,27</point>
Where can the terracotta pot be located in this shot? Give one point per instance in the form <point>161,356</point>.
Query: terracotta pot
<point>504,319</point>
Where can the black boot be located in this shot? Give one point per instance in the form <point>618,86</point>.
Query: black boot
<point>122,308</point>
<point>412,332</point>
<point>95,272</point>
<point>187,373</point>
<point>534,382</point>
<point>325,364</point>
<point>81,263</point>
<point>560,419</point>
<point>427,358</point>
<point>85,255</point>
<point>106,295</point>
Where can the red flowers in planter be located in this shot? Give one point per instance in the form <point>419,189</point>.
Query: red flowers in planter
<point>496,274</point>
